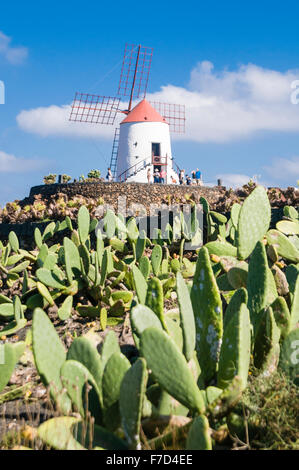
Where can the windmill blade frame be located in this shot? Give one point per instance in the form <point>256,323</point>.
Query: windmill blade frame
<point>94,109</point>
<point>135,71</point>
<point>174,115</point>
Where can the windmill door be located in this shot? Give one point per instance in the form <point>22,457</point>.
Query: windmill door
<point>156,155</point>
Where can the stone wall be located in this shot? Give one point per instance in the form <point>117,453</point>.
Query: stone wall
<point>141,193</point>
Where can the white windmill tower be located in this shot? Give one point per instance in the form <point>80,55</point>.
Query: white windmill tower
<point>142,141</point>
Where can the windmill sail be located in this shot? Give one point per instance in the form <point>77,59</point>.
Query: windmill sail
<point>94,109</point>
<point>174,115</point>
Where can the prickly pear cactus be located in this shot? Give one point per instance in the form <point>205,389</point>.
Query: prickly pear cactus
<point>140,284</point>
<point>282,315</point>
<point>156,259</point>
<point>81,388</point>
<point>8,361</point>
<point>132,396</point>
<point>142,318</point>
<point>187,317</point>
<point>266,346</point>
<point>240,297</point>
<point>170,368</point>
<point>207,307</point>
<point>83,224</point>
<point>254,221</point>
<point>58,433</point>
<point>221,248</point>
<point>110,346</point>
<point>155,299</point>
<point>82,350</point>
<point>283,245</point>
<point>235,349</point>
<point>49,356</point>
<point>145,266</point>
<point>114,372</point>
<point>261,286</point>
<point>289,357</point>
<point>294,321</point>
<point>199,436</point>
<point>72,259</point>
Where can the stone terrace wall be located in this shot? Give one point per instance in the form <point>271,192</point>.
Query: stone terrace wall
<point>141,193</point>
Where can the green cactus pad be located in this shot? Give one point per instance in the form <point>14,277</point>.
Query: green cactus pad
<point>295,307</point>
<point>290,212</point>
<point>235,213</point>
<point>145,266</point>
<point>72,260</point>
<point>49,278</point>
<point>132,396</point>
<point>288,227</point>
<point>156,259</point>
<point>49,356</point>
<point>143,317</point>
<point>75,377</point>
<point>266,346</point>
<point>154,299</point>
<point>88,311</point>
<point>140,244</point>
<point>237,276</point>
<point>289,357</point>
<point>110,346</point>
<point>65,310</point>
<point>254,221</point>
<point>235,349</point>
<point>14,242</point>
<point>58,433</point>
<point>42,289</point>
<point>283,246</point>
<point>282,315</point>
<point>140,284</point>
<point>221,248</point>
<point>82,350</point>
<point>240,297</point>
<point>114,372</point>
<point>207,308</point>
<point>6,311</point>
<point>261,291</point>
<point>212,394</point>
<point>125,296</point>
<point>38,238</point>
<point>199,436</point>
<point>83,224</point>
<point>187,317</point>
<point>8,361</point>
<point>170,368</point>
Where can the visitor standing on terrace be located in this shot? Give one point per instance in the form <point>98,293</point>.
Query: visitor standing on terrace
<point>109,176</point>
<point>163,176</point>
<point>198,177</point>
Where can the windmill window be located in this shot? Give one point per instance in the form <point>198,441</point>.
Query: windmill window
<point>156,149</point>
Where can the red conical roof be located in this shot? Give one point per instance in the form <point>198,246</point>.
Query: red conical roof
<point>143,112</point>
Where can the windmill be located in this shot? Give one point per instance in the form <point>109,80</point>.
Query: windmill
<point>142,141</point>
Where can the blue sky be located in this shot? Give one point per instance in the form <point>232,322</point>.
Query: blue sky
<point>231,63</point>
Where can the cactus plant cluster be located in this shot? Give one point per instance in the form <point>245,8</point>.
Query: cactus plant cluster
<point>200,325</point>
<point>53,208</point>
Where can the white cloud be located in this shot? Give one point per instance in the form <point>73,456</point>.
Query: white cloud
<point>220,106</point>
<point>11,164</point>
<point>14,55</point>
<point>232,180</point>
<point>54,121</point>
<point>284,169</point>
